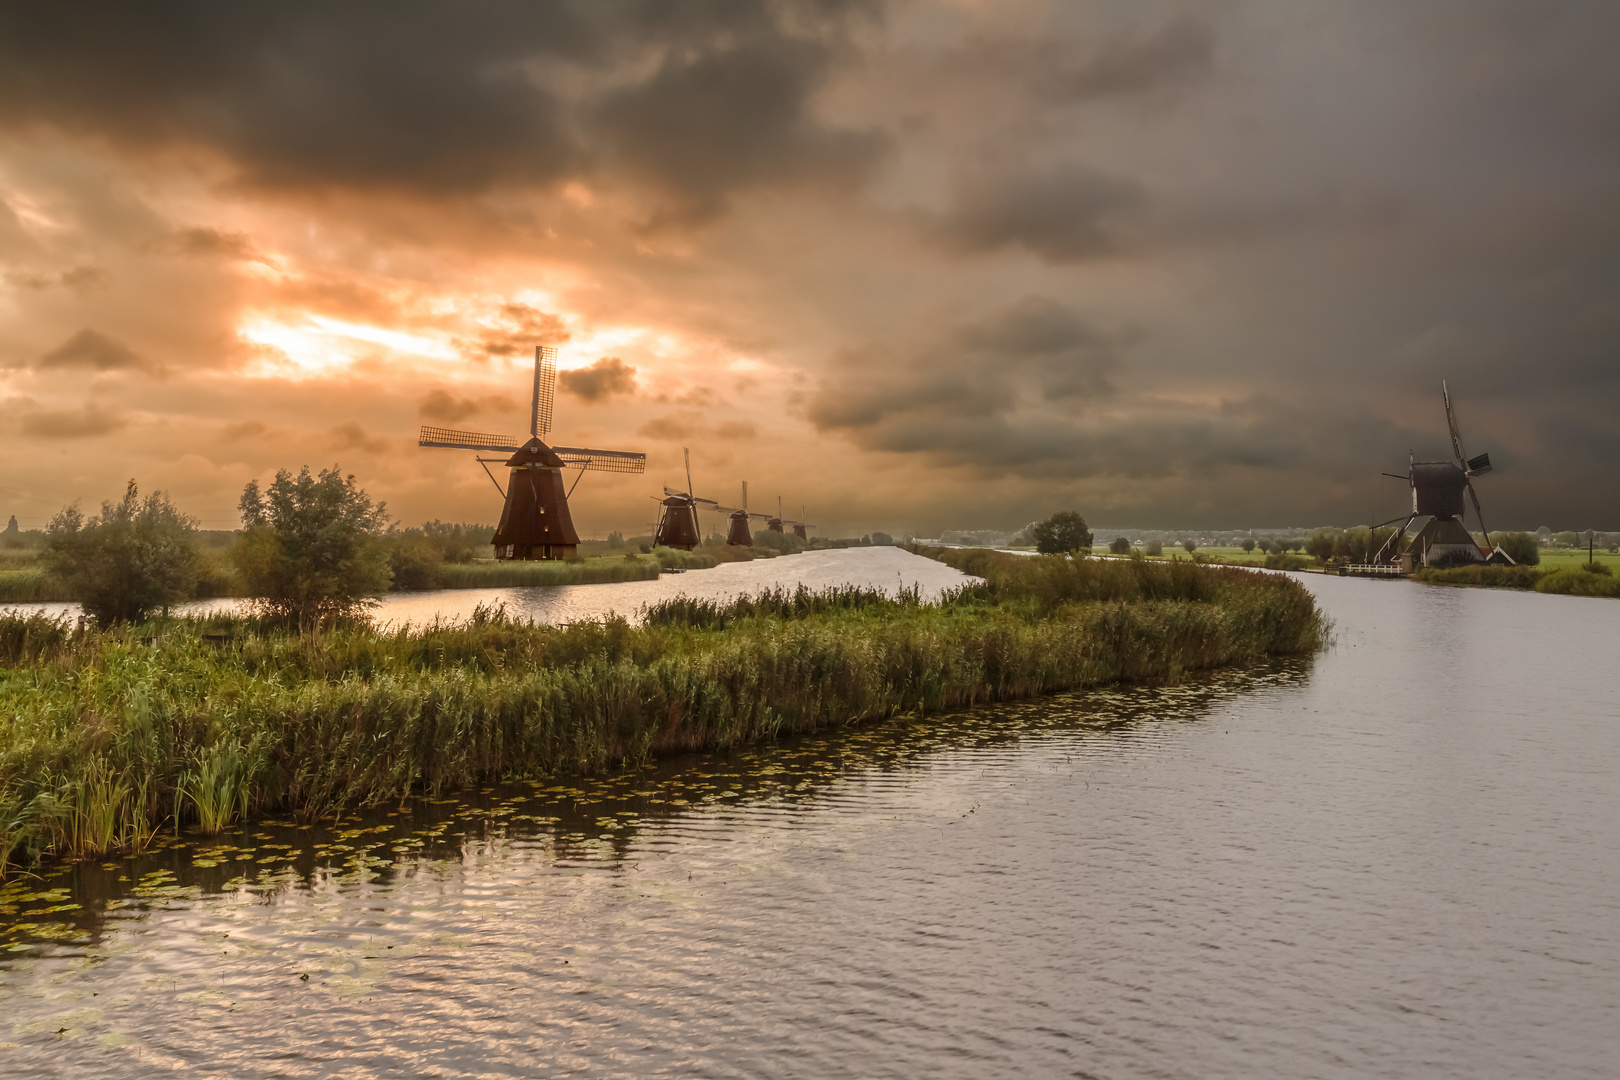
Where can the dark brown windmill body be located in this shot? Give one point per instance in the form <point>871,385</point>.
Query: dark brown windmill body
<point>535,522</point>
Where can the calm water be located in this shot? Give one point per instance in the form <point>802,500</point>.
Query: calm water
<point>1396,859</point>
<point>884,568</point>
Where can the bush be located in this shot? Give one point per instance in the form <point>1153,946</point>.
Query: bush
<point>1063,533</point>
<point>1597,568</point>
<point>1572,582</point>
<point>1279,560</point>
<point>1521,547</point>
<point>1120,546</point>
<point>1153,547</point>
<point>312,553</point>
<point>128,561</point>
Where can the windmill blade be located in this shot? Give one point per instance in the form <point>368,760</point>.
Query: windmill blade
<point>686,455</point>
<point>1480,514</point>
<point>614,461</point>
<point>1451,424</point>
<point>545,389</point>
<point>468,440</point>
<point>1479,466</point>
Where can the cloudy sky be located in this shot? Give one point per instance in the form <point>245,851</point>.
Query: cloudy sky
<point>914,265</point>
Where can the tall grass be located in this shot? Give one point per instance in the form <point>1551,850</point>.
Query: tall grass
<point>30,585</point>
<point>221,718</point>
<point>1568,580</point>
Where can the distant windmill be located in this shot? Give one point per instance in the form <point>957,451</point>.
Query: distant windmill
<point>800,529</point>
<point>1437,493</point>
<point>775,524</point>
<point>678,522</point>
<point>738,535</point>
<point>535,523</point>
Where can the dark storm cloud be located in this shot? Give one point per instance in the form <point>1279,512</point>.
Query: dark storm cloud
<point>1062,212</point>
<point>93,351</point>
<point>604,379</point>
<point>970,377</point>
<point>438,99</point>
<point>87,421</point>
<point>706,125</point>
<point>1169,57</point>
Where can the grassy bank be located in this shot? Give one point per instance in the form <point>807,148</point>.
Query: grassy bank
<point>110,736</point>
<point>1569,580</point>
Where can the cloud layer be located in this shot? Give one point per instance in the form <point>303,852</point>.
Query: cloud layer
<point>1163,263</point>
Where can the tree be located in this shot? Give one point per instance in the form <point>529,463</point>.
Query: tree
<point>1321,544</point>
<point>1190,544</point>
<point>1153,547</point>
<point>130,560</point>
<point>1248,543</point>
<point>313,551</point>
<point>1120,546</point>
<point>1063,533</point>
<point>1567,539</point>
<point>882,539</point>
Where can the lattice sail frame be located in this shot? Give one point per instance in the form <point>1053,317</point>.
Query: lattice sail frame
<point>545,390</point>
<point>588,458</point>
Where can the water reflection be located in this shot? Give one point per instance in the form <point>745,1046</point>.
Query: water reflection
<point>219,948</point>
<point>885,568</point>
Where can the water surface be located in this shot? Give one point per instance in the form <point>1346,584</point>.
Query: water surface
<point>1396,859</point>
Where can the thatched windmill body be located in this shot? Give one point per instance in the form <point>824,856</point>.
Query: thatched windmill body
<point>737,533</point>
<point>535,522</point>
<point>677,518</point>
<point>1438,488</point>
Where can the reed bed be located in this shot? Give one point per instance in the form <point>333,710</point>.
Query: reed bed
<point>110,735</point>
<point>1594,579</point>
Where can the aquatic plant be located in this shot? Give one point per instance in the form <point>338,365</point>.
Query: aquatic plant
<point>109,733</point>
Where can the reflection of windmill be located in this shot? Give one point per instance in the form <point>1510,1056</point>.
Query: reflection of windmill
<point>678,522</point>
<point>535,523</point>
<point>800,529</point>
<point>737,535</point>
<point>1437,493</point>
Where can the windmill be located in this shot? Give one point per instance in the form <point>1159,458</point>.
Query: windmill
<point>800,529</point>
<point>535,523</point>
<point>1437,493</point>
<point>677,521</point>
<point>737,535</point>
<point>775,524</point>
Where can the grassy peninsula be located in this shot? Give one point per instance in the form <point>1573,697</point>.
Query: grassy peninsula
<point>111,735</point>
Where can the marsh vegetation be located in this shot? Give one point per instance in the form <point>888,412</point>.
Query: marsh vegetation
<point>114,733</point>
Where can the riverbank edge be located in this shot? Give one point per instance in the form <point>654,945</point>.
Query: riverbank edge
<point>110,736</point>
<point>1559,581</point>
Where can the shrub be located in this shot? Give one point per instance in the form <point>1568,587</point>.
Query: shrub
<point>1062,533</point>
<point>1153,547</point>
<point>1120,546</point>
<point>130,560</point>
<point>1572,582</point>
<point>1597,568</point>
<point>1521,547</point>
<point>312,553</point>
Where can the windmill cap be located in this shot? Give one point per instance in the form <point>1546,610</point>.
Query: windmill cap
<point>535,452</point>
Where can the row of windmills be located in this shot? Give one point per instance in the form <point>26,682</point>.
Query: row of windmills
<point>535,522</point>
<point>678,517</point>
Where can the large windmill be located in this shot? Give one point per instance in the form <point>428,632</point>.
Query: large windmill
<point>678,521</point>
<point>535,523</point>
<point>1437,493</point>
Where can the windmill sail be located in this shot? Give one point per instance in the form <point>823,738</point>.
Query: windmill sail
<point>615,461</point>
<point>545,389</point>
<point>469,440</point>
<point>1451,424</point>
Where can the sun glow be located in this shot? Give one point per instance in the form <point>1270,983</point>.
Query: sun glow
<point>320,345</point>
